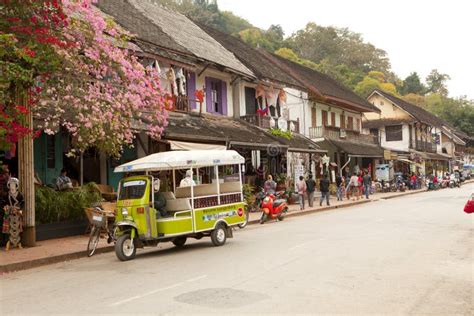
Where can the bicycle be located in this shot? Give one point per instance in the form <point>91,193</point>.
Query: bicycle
<point>100,222</point>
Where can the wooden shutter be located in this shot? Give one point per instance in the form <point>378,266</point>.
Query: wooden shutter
<point>343,121</point>
<point>325,118</point>
<point>333,119</point>
<point>350,123</point>
<point>313,117</point>
<point>357,127</point>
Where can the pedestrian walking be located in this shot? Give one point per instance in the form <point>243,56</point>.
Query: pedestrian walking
<point>339,187</point>
<point>367,180</point>
<point>354,186</point>
<point>310,188</point>
<point>301,187</point>
<point>324,187</point>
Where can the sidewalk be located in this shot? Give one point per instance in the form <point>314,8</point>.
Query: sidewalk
<point>63,249</point>
<point>294,209</point>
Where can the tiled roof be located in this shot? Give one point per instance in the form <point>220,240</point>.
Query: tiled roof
<point>355,149</point>
<point>192,127</point>
<point>417,112</point>
<point>134,21</point>
<point>170,30</point>
<point>252,58</point>
<point>321,84</point>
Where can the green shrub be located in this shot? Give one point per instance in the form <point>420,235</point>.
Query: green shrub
<point>278,132</point>
<point>57,206</point>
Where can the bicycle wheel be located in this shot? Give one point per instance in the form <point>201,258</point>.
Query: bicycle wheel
<point>93,241</point>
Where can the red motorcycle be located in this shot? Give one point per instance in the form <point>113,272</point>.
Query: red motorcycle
<point>273,207</point>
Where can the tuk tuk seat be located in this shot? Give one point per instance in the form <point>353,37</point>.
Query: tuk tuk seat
<point>199,190</point>
<point>177,205</point>
<point>230,187</point>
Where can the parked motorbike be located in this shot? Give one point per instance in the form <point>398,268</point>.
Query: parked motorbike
<point>273,207</point>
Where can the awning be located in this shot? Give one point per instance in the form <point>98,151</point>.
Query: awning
<point>436,156</point>
<point>178,145</point>
<point>364,150</point>
<point>410,162</point>
<point>301,144</point>
<point>219,130</point>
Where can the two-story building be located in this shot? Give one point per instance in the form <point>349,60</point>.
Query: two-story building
<point>331,116</point>
<point>268,101</point>
<point>417,140</point>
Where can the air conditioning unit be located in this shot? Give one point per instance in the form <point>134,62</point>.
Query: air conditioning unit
<point>342,133</point>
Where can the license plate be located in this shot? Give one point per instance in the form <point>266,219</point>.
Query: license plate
<point>97,218</point>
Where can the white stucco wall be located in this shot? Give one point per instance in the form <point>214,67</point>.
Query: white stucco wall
<point>298,107</point>
<point>387,108</point>
<point>403,144</point>
<point>201,82</point>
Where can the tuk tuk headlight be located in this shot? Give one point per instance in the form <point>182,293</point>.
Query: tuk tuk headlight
<point>124,211</point>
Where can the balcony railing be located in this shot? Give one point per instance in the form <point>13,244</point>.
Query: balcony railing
<point>341,134</point>
<point>425,146</point>
<point>267,122</point>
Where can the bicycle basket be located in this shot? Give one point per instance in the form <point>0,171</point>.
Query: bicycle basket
<point>98,219</point>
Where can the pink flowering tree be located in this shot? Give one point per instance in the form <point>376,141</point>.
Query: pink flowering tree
<point>103,95</point>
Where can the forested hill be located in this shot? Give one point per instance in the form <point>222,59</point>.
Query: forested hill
<point>340,53</point>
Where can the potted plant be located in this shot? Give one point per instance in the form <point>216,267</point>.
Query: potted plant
<point>281,182</point>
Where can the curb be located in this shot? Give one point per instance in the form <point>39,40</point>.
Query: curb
<point>25,265</point>
<point>332,207</point>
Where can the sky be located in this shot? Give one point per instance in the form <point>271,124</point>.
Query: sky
<point>418,35</point>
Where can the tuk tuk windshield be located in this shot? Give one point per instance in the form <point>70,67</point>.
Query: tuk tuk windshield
<point>133,189</point>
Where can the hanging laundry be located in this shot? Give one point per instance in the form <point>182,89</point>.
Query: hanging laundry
<point>181,79</point>
<point>259,91</point>
<point>171,76</point>
<point>156,65</point>
<point>282,96</point>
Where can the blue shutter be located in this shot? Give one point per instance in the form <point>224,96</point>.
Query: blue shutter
<point>223,98</point>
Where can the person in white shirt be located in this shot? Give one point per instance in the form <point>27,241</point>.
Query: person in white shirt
<point>188,180</point>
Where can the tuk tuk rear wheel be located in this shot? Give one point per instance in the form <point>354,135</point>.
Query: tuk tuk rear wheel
<point>218,235</point>
<point>179,241</point>
<point>125,248</point>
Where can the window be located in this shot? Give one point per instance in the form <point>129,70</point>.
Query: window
<point>393,133</point>
<point>313,117</point>
<point>357,127</point>
<point>250,101</point>
<point>343,121</point>
<point>325,118</point>
<point>216,96</point>
<point>350,123</point>
<point>333,119</point>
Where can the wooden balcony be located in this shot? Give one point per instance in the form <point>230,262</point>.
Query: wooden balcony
<point>267,122</point>
<point>426,146</point>
<point>341,134</point>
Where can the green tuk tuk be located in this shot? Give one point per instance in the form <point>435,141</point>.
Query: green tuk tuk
<point>207,205</point>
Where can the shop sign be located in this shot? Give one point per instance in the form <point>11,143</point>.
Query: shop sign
<point>387,154</point>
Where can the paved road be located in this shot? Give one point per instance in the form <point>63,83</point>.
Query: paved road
<point>410,255</point>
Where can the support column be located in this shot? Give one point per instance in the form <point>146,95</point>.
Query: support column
<point>26,173</point>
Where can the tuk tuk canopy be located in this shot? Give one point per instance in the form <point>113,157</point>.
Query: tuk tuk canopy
<point>182,160</point>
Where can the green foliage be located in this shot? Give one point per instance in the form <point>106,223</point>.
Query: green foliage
<point>270,39</point>
<point>436,82</point>
<point>248,191</point>
<point>57,206</point>
<point>338,46</point>
<point>279,133</point>
<point>412,84</point>
<point>374,80</point>
<point>291,55</point>
<point>207,12</point>
<point>281,178</point>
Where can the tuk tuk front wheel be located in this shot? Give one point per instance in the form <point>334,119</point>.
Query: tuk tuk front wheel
<point>125,248</point>
<point>218,235</point>
<point>179,241</point>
